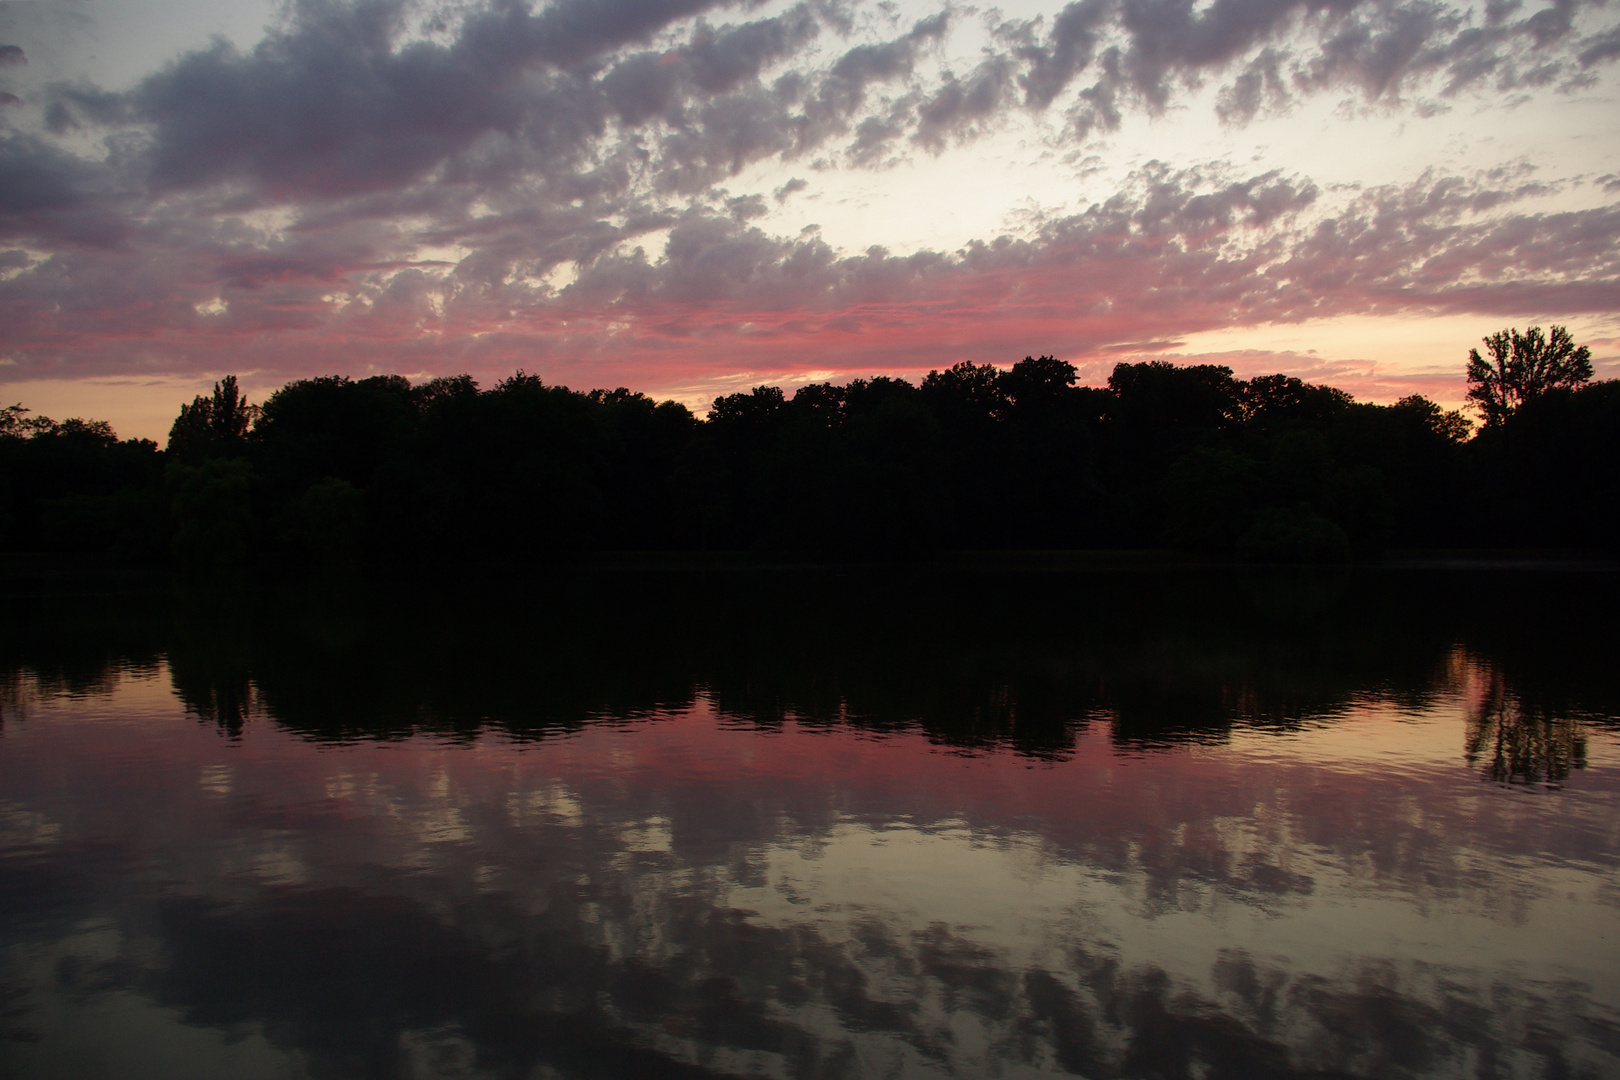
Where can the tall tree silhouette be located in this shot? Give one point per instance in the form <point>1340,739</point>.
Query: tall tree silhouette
<point>1522,367</point>
<point>213,426</point>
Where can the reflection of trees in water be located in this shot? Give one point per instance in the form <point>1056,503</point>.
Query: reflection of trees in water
<point>224,702</point>
<point>351,977</point>
<point>1513,741</point>
<point>78,642</point>
<point>24,688</point>
<point>19,692</point>
<point>212,653</point>
<point>999,660</point>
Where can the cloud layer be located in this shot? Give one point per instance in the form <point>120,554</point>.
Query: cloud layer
<point>382,185</point>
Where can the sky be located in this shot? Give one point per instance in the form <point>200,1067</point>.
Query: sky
<point>690,198</point>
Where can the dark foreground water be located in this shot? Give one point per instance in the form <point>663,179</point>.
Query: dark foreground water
<point>1124,822</point>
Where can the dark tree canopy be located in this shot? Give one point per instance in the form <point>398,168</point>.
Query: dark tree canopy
<point>213,426</point>
<point>15,423</point>
<point>975,457</point>
<point>1522,367</point>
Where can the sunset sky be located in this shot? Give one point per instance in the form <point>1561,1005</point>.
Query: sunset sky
<point>690,198</point>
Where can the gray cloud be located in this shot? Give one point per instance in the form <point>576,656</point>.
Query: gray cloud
<point>1144,51</point>
<point>50,196</point>
<point>709,139</point>
<point>875,137</point>
<point>886,60</point>
<point>439,183</point>
<point>1075,33</point>
<point>1261,83</point>
<point>829,110</point>
<point>648,85</point>
<point>1600,48</point>
<point>957,108</point>
<point>565,32</point>
<point>1180,244</point>
<point>1177,250</point>
<point>792,187</point>
<point>339,105</point>
<point>335,104</point>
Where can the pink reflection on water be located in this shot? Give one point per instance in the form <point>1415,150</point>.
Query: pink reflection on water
<point>1350,858</point>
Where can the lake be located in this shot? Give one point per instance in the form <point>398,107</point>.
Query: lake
<point>1020,819</point>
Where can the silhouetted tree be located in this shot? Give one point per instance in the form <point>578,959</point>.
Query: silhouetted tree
<point>327,522</point>
<point>16,424</point>
<point>1051,496</point>
<point>333,426</point>
<point>889,493</point>
<point>1546,473</point>
<point>1390,472</point>
<point>1293,535</point>
<point>1273,399</point>
<point>1039,384</point>
<point>1450,425</point>
<point>213,426</point>
<point>966,395</point>
<point>1210,497</point>
<point>1522,367</point>
<point>746,428</point>
<point>75,486</point>
<point>969,401</point>
<point>1184,403</point>
<point>213,511</point>
<point>976,456</point>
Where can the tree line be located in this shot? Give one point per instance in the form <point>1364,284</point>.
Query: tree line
<point>1189,458</point>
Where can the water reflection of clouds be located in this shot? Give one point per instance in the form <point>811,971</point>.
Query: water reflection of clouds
<point>22,828</point>
<point>665,896</point>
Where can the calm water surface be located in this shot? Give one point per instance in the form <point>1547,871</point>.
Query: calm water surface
<point>1150,823</point>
